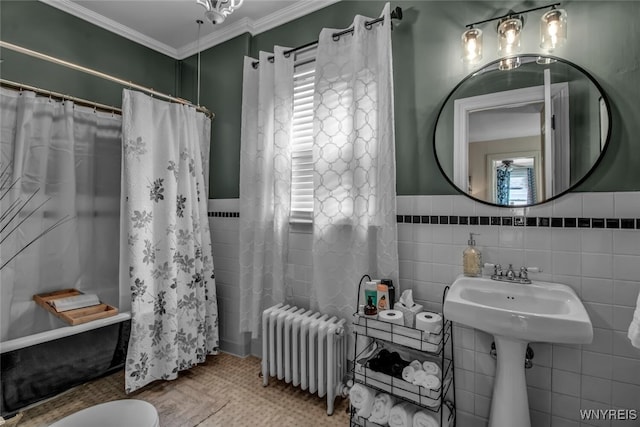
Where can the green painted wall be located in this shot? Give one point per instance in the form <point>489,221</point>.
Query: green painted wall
<point>221,92</point>
<point>43,28</point>
<point>604,38</point>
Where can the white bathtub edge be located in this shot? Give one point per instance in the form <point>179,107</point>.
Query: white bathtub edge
<point>66,331</point>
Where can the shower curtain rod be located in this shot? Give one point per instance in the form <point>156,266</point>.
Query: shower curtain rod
<point>102,75</point>
<point>61,96</point>
<point>395,14</point>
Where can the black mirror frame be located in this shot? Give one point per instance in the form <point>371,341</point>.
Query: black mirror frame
<point>572,187</point>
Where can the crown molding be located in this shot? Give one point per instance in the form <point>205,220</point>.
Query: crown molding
<point>289,13</point>
<point>246,25</point>
<point>110,25</point>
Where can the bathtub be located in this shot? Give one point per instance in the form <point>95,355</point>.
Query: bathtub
<point>41,365</point>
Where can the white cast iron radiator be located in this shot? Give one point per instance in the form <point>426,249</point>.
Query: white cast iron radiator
<point>304,348</point>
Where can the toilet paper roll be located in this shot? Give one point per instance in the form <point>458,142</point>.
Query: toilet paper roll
<point>429,322</point>
<point>391,316</point>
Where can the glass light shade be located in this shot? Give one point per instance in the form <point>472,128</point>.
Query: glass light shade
<point>553,29</point>
<point>509,35</point>
<point>472,45</point>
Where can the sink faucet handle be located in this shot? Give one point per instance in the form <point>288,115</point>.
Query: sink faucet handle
<point>523,273</point>
<point>510,273</point>
<point>494,266</point>
<point>534,270</point>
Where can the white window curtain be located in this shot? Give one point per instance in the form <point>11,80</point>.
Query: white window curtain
<point>265,184</point>
<point>354,224</point>
<point>166,260</point>
<point>58,160</point>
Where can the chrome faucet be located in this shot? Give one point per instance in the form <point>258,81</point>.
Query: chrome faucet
<point>522,277</point>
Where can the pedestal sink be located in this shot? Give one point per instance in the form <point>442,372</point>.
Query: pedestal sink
<point>516,314</point>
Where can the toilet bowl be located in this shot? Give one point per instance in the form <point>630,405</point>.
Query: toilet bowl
<point>119,413</point>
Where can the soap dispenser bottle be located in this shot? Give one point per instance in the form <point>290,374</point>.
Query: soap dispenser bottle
<point>472,259</point>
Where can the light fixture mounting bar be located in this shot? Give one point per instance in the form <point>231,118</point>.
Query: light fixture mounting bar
<point>512,13</point>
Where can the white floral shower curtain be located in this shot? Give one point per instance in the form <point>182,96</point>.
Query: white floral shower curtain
<point>354,224</point>
<point>58,162</point>
<point>265,183</point>
<point>167,260</point>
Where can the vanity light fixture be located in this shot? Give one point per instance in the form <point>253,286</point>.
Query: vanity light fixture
<point>553,33</point>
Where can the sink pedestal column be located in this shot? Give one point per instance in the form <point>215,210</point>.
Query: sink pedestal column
<point>509,405</point>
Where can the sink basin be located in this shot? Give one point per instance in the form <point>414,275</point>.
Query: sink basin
<point>516,314</point>
<point>541,311</point>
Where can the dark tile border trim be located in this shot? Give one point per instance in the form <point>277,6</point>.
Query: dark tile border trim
<point>504,221</point>
<point>521,221</point>
<point>224,214</point>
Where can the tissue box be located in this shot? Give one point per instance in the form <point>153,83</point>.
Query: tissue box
<point>409,313</point>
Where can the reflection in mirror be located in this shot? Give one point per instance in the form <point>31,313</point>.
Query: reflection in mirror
<point>523,136</point>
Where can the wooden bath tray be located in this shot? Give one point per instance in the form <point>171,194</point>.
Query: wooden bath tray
<point>76,316</point>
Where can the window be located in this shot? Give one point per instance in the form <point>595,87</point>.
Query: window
<point>516,186</point>
<point>302,138</point>
<point>521,186</point>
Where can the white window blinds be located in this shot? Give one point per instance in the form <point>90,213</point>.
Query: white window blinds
<point>302,139</point>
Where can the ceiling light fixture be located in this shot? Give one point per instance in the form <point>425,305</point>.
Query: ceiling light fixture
<point>218,10</point>
<point>553,33</point>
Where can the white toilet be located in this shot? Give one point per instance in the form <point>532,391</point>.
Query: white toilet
<point>119,413</point>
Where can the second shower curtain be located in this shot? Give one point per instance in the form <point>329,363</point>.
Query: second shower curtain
<point>354,200</point>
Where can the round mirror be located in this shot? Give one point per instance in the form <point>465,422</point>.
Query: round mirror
<point>522,130</point>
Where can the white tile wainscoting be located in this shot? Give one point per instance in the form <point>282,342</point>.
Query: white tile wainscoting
<point>601,264</point>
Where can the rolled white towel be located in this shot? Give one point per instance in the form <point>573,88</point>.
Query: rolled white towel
<point>431,368</point>
<point>419,377</point>
<point>430,381</point>
<point>425,419</point>
<point>401,415</point>
<point>362,398</point>
<point>416,365</point>
<point>430,419</point>
<point>382,405</point>
<point>408,373</point>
